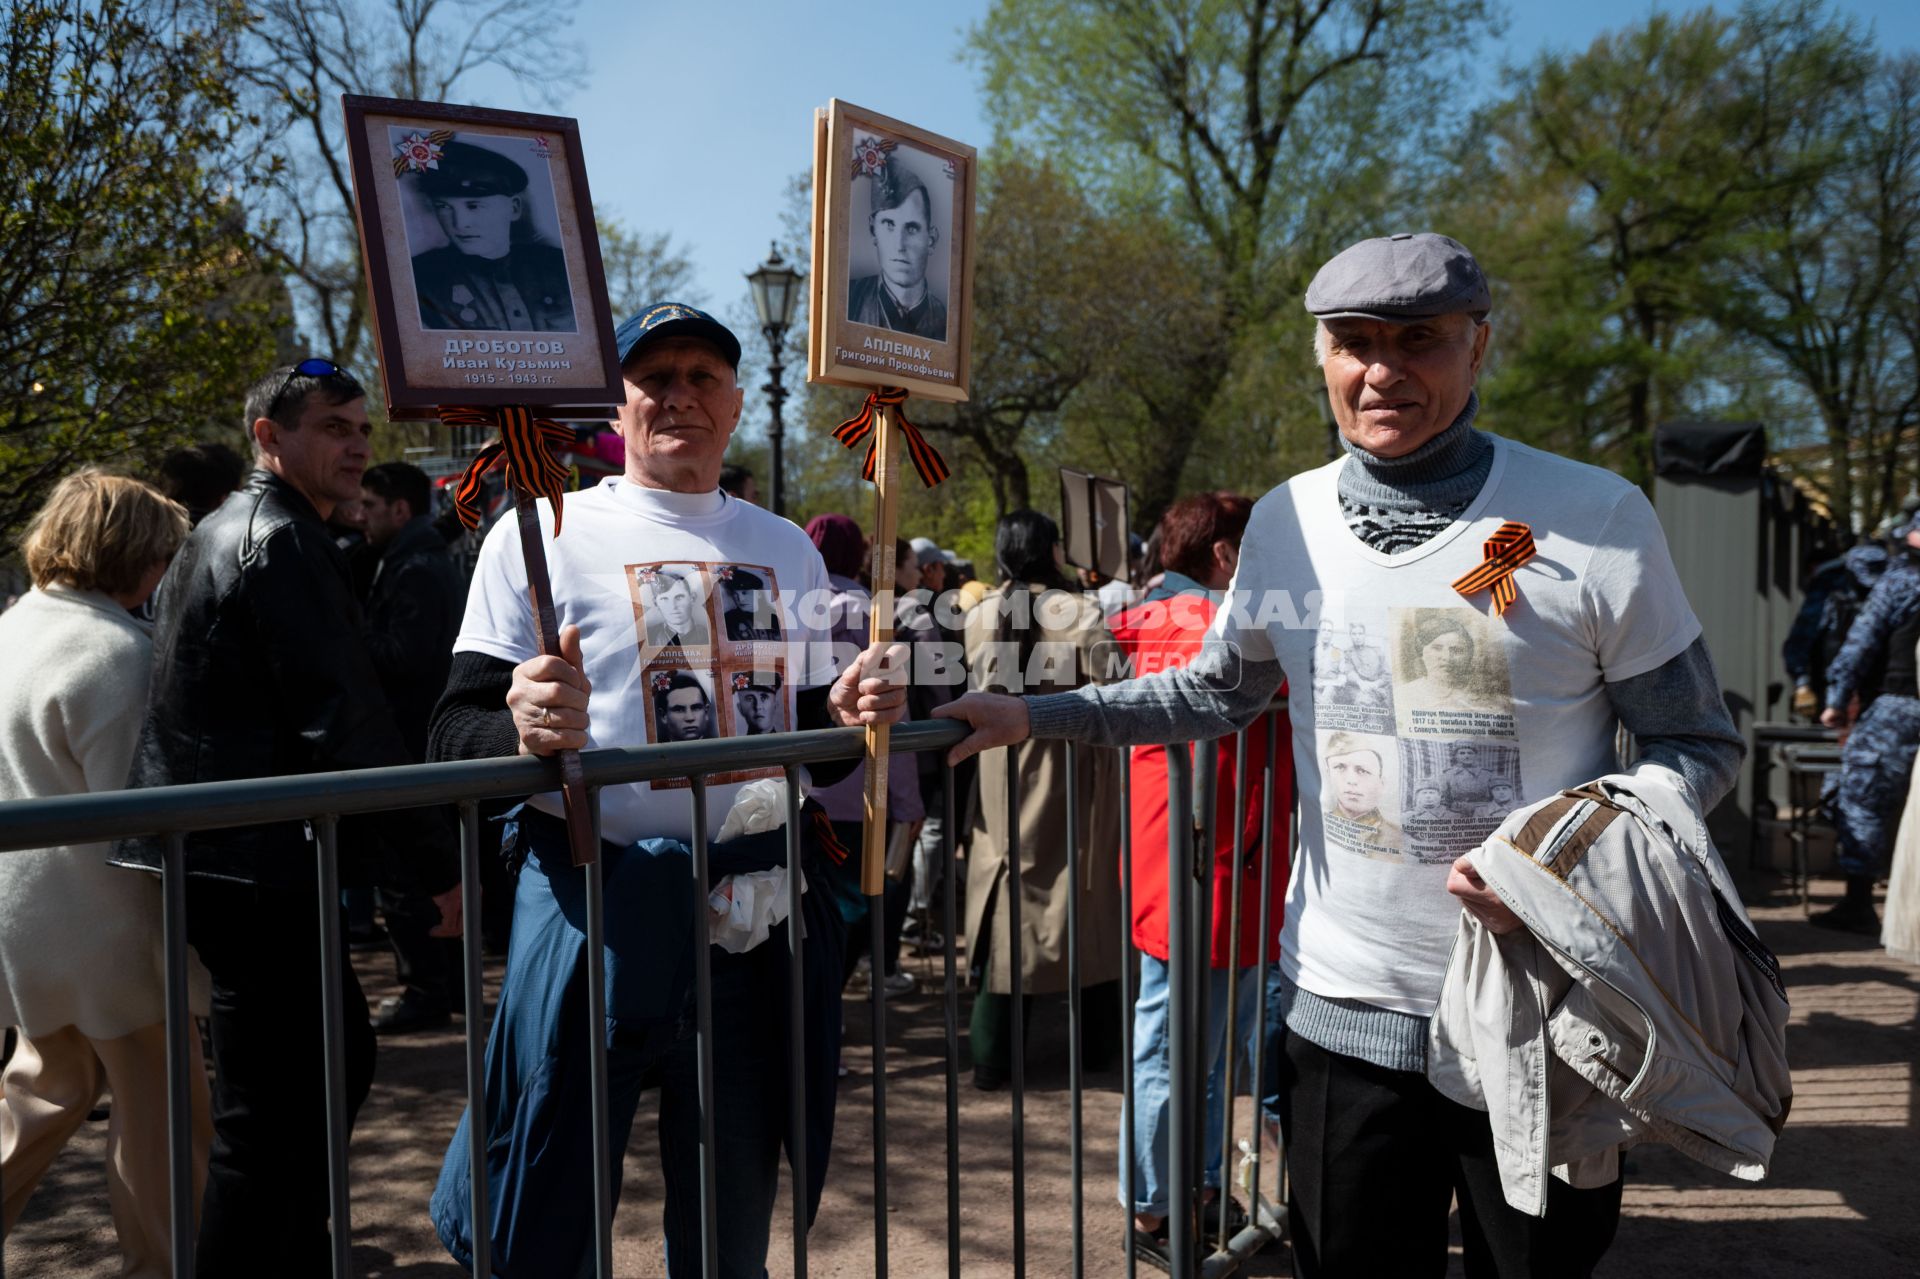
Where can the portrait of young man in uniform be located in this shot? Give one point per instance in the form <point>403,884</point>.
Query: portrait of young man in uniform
<point>900,297</point>
<point>494,273</point>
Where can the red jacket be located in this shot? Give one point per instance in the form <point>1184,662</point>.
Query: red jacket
<point>1168,632</point>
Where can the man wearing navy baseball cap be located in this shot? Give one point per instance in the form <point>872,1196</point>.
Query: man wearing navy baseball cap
<point>664,517</point>
<point>1558,576</point>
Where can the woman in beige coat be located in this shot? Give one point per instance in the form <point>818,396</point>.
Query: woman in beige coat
<point>80,963</point>
<point>1037,633</point>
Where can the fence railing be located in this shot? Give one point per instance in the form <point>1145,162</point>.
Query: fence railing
<point>172,813</point>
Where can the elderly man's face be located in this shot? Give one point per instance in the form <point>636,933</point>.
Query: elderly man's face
<point>903,237</point>
<point>1393,387</point>
<point>686,714</point>
<point>1357,782</point>
<point>479,225</point>
<point>683,402</point>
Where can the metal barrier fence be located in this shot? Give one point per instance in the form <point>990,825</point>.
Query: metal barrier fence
<point>173,812</point>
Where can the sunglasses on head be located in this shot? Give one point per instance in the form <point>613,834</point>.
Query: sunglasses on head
<point>313,366</point>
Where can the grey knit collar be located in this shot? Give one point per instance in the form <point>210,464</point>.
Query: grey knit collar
<point>1445,472</point>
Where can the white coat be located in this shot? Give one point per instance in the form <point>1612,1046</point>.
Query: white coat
<point>79,939</point>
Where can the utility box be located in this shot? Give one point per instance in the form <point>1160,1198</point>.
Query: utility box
<point>1743,540</point>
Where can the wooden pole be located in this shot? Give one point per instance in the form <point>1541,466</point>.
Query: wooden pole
<point>886,475</point>
<point>573,786</point>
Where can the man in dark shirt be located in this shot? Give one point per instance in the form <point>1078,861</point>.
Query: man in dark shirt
<point>414,605</point>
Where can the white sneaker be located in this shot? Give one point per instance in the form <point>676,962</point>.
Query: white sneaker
<point>901,983</point>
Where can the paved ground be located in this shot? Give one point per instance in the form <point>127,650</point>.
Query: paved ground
<point>1841,1200</point>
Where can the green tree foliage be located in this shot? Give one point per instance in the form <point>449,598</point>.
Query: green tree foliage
<point>1822,278</point>
<point>1259,136</point>
<point>133,305</point>
<point>1264,125</point>
<point>1606,195</point>
<point>642,268</point>
<point>301,55</point>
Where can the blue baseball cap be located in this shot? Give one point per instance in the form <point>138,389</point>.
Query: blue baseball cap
<point>673,319</point>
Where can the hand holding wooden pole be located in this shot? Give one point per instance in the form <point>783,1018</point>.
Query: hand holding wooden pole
<point>524,452</point>
<point>573,784</point>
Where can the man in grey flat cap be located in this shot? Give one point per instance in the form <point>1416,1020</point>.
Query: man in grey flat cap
<point>1591,635</point>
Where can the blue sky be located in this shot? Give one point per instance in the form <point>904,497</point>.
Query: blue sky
<point>695,117</point>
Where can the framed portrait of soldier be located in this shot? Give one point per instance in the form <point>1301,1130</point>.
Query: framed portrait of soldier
<point>891,297</point>
<point>483,269</point>
<point>1093,522</point>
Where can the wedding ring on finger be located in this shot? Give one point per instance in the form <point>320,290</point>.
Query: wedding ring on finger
<point>546,717</point>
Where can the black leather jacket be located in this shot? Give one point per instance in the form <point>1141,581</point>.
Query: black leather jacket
<point>261,670</point>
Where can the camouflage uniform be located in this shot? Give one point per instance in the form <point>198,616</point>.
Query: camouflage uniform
<point>1834,591</point>
<point>1877,761</point>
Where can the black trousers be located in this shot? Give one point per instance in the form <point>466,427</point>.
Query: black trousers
<point>266,1200</point>
<point>1376,1158</point>
<point>430,968</point>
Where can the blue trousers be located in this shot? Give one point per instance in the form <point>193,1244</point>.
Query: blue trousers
<point>1152,1061</point>
<point>539,1163</point>
<point>1875,767</point>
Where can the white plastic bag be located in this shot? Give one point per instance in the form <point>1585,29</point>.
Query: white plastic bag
<point>745,908</point>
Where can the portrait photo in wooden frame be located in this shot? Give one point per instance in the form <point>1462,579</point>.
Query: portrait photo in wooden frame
<point>483,267</point>
<point>891,302</point>
<point>1093,522</point>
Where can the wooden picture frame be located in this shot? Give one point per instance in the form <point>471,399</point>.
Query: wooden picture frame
<point>1093,522</point>
<point>905,321</point>
<point>439,190</point>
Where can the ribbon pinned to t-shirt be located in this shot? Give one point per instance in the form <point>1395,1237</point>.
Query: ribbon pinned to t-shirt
<point>525,448</point>
<point>1509,548</point>
<point>926,458</point>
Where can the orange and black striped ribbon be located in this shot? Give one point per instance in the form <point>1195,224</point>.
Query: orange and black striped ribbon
<point>525,447</point>
<point>926,458</point>
<point>1509,548</point>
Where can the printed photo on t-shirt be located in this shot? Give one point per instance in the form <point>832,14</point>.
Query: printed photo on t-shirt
<point>670,609</point>
<point>681,706</point>
<point>1450,675</point>
<point>747,598</point>
<point>1455,793</point>
<point>1359,793</point>
<point>757,701</point>
<point>1352,678</point>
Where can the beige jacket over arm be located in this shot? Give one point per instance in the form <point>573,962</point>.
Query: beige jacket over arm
<point>1637,1004</point>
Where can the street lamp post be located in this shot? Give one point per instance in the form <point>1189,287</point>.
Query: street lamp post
<point>776,287</point>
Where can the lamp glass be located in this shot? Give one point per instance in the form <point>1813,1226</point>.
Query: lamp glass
<point>776,286</point>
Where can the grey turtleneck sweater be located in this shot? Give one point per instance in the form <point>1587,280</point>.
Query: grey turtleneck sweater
<point>1675,712</point>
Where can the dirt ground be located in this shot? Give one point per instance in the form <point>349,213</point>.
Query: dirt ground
<point>1843,1198</point>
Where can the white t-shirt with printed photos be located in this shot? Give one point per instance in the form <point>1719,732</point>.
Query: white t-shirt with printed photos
<point>1420,719</point>
<point>660,585</point>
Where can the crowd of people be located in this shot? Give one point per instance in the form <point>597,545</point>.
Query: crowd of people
<point>306,613</point>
